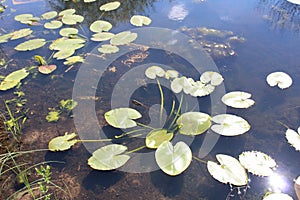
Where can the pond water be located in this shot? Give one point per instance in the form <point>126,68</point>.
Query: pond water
<point>244,40</point>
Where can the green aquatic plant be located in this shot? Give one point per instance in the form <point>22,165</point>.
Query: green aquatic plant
<point>31,44</point>
<point>156,137</point>
<point>139,20</point>
<point>65,106</point>
<point>281,79</point>
<point>110,6</point>
<point>13,79</point>
<point>293,138</point>
<point>238,99</point>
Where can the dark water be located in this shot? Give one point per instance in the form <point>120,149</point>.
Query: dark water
<point>271,29</point>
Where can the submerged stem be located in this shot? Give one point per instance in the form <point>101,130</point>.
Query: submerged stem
<point>281,123</point>
<point>200,160</point>
<point>102,140</point>
<point>177,112</point>
<point>161,101</point>
<point>134,150</point>
<point>145,126</point>
<point>127,133</point>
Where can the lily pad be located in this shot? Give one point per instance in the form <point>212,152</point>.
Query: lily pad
<point>109,157</point>
<point>72,19</point>
<point>277,196</point>
<point>20,33</point>
<point>74,59</point>
<point>53,24</point>
<point>62,143</point>
<point>122,38</point>
<point>153,71</point>
<point>238,99</point>
<point>100,25</point>
<point>171,74</point>
<point>102,36</point>
<point>63,54</point>
<point>257,163</point>
<point>53,116</point>
<point>211,77</point>
<point>49,15</point>
<point>293,138</point>
<point>173,160</point>
<point>70,11</point>
<point>281,79</point>
<point>26,18</point>
<point>46,69</point>
<point>199,89</point>
<point>67,44</point>
<point>108,48</point>
<point>4,38</point>
<point>66,32</point>
<point>13,79</point>
<point>122,117</point>
<point>31,45</point>
<point>182,84</point>
<point>229,125</point>
<point>139,20</point>
<point>229,170</point>
<point>193,123</point>
<point>110,6</point>
<point>157,137</point>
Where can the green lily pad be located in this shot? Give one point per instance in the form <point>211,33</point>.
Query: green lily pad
<point>31,45</point>
<point>46,69</point>
<point>281,79</point>
<point>23,17</point>
<point>66,32</point>
<point>293,138</point>
<point>139,20</point>
<point>110,6</point>
<point>67,44</point>
<point>63,54</point>
<point>49,15</point>
<point>4,38</point>
<point>277,196</point>
<point>171,74</point>
<point>13,79</point>
<point>153,71</point>
<point>238,99</point>
<point>230,125</point>
<point>109,157</point>
<point>173,160</point>
<point>122,38</point>
<point>53,24</point>
<point>53,116</point>
<point>70,11</point>
<point>193,123</point>
<point>257,163</point>
<point>200,89</point>
<point>211,77</point>
<point>72,19</point>
<point>108,48</point>
<point>182,84</point>
<point>157,137</point>
<point>20,33</point>
<point>229,171</point>
<point>40,60</point>
<point>122,117</point>
<point>102,36</point>
<point>100,25</point>
<point>62,143</point>
<point>74,59</point>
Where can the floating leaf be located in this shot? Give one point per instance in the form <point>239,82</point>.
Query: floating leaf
<point>63,54</point>
<point>72,60</point>
<point>211,77</point>
<point>66,32</point>
<point>26,18</point>
<point>122,38</point>
<point>182,83</point>
<point>200,89</point>
<point>31,45</point>
<point>293,138</point>
<point>70,11</point>
<point>229,125</point>
<point>53,116</point>
<point>257,163</point>
<point>53,24</point>
<point>171,74</point>
<point>68,104</point>
<point>283,80</point>
<point>173,160</point>
<point>100,25</point>
<point>229,171</point>
<point>153,71</point>
<point>109,157</point>
<point>193,123</point>
<point>49,15</point>
<point>89,1</point>
<point>72,19</point>
<point>139,20</point>
<point>40,60</point>
<point>122,117</point>
<point>20,33</point>
<point>277,196</point>
<point>110,6</point>
<point>13,79</point>
<point>238,99</point>
<point>157,137</point>
<point>62,143</point>
<point>67,44</point>
<point>107,48</point>
<point>46,69</point>
<point>4,38</point>
<point>102,36</point>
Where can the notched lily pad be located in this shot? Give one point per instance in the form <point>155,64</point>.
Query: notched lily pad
<point>72,19</point>
<point>157,137</point>
<point>67,32</point>
<point>153,71</point>
<point>277,196</point>
<point>122,117</point>
<point>123,38</point>
<point>108,48</point>
<point>70,11</point>
<point>100,25</point>
<point>110,6</point>
<point>293,138</point>
<point>74,59</point>
<point>102,36</point>
<point>238,99</point>
<point>13,79</point>
<point>139,20</point>
<point>109,157</point>
<point>49,15</point>
<point>62,143</point>
<point>31,45</point>
<point>53,24</point>
<point>46,69</point>
<point>20,33</point>
<point>193,123</point>
<point>281,79</point>
<point>214,78</point>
